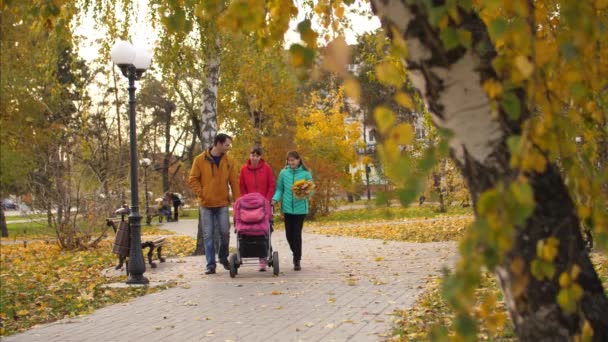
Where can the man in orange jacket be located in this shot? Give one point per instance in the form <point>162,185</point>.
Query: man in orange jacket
<point>211,174</point>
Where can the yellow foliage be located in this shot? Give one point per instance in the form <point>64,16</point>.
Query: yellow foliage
<point>525,67</point>
<point>404,100</point>
<point>492,88</point>
<point>326,140</point>
<point>402,134</point>
<point>352,89</point>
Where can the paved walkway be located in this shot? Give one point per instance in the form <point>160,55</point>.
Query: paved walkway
<point>346,291</point>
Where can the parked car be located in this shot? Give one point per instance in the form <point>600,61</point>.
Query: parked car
<point>9,204</point>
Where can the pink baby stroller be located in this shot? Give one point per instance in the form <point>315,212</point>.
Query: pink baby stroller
<point>253,226</point>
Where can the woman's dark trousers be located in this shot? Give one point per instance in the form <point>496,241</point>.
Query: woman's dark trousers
<point>293,231</point>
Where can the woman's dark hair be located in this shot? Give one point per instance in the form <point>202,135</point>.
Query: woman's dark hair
<point>257,150</point>
<point>221,138</point>
<point>296,155</point>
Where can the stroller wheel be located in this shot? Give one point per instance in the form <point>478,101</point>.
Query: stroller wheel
<point>233,267</point>
<point>275,263</point>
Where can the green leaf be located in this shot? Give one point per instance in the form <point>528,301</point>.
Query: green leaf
<point>427,161</point>
<point>465,326</point>
<point>523,200</point>
<point>436,13</point>
<point>548,269</point>
<point>465,4</point>
<point>535,269</point>
<point>578,90</point>
<point>514,144</point>
<point>384,117</point>
<point>511,105</point>
<point>449,37</point>
<point>566,300</point>
<point>382,198</point>
<point>497,28</point>
<point>304,26</point>
<point>439,333</point>
<point>488,201</point>
<point>465,38</point>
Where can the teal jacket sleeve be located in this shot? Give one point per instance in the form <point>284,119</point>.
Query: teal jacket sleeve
<point>278,193</point>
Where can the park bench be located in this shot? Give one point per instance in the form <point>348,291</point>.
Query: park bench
<point>123,239</point>
<point>153,211</point>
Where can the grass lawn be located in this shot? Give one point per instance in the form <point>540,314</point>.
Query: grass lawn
<point>25,217</point>
<point>391,213</point>
<point>29,230</point>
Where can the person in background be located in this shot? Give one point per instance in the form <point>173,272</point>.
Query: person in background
<point>212,175</point>
<point>177,201</point>
<point>294,209</point>
<point>257,176</point>
<point>165,207</point>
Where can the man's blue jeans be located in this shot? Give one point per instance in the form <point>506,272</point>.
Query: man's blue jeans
<point>215,221</point>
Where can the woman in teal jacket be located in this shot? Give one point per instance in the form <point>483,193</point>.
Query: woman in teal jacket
<point>294,209</point>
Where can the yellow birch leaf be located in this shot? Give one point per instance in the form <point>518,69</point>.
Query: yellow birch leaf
<point>340,12</point>
<point>574,272</point>
<point>564,280</point>
<point>388,74</point>
<point>385,118</point>
<point>549,252</point>
<point>492,88</point>
<point>337,56</point>
<point>352,88</point>
<point>403,134</point>
<point>525,67</point>
<point>404,100</point>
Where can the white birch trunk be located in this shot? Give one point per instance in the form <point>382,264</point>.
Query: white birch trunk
<point>209,100</point>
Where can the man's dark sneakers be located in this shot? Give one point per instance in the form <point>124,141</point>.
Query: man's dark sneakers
<point>210,270</point>
<point>226,264</point>
<point>296,265</point>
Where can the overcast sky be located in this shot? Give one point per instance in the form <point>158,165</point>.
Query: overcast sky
<point>142,33</point>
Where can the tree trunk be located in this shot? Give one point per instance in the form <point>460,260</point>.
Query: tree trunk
<point>3,223</point>
<point>209,102</point>
<point>209,120</point>
<point>451,83</point>
<point>167,155</point>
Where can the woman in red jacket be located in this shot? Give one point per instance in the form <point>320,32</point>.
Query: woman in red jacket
<point>256,176</point>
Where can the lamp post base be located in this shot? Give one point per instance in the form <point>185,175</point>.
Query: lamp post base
<point>137,280</point>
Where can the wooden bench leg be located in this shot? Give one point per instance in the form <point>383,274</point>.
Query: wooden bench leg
<point>150,247</point>
<point>158,251</point>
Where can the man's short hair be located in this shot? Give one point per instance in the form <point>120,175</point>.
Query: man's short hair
<point>221,138</point>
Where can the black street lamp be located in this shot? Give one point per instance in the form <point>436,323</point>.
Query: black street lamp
<point>133,62</point>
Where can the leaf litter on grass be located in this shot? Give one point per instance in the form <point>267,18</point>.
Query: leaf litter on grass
<point>42,283</point>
